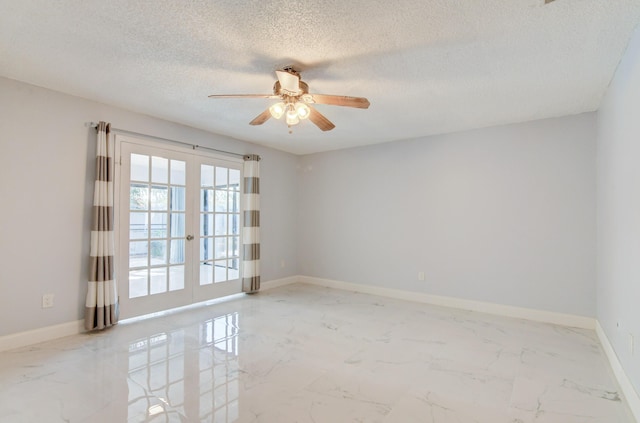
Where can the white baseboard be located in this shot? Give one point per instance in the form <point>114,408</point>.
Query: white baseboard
<point>48,333</point>
<point>279,282</point>
<point>22,339</point>
<point>35,336</point>
<point>483,307</point>
<point>629,392</point>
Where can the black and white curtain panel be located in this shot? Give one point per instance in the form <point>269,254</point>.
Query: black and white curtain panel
<point>101,308</point>
<point>251,230</point>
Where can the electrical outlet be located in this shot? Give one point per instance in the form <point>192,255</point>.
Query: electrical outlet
<point>282,264</point>
<point>630,344</point>
<point>47,300</point>
<point>420,276</point>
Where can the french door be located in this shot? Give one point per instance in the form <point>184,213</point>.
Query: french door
<point>179,228</point>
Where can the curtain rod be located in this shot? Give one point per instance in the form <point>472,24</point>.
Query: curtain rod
<point>193,146</point>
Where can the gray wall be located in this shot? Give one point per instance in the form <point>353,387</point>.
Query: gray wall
<point>619,211</point>
<point>503,215</point>
<point>47,159</point>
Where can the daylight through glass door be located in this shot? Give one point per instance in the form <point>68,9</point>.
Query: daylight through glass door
<point>219,224</point>
<point>156,225</point>
<point>179,228</point>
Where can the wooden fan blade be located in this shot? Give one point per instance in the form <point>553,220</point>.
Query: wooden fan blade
<point>244,96</point>
<point>341,100</point>
<point>261,118</point>
<point>289,82</point>
<point>320,120</point>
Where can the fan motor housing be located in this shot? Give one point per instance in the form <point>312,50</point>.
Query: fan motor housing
<point>277,89</point>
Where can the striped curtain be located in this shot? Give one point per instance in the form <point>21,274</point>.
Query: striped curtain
<point>251,230</point>
<point>101,308</point>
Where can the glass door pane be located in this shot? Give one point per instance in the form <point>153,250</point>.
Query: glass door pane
<point>179,228</point>
<point>153,210</point>
<point>156,225</point>
<point>219,206</point>
<point>219,255</point>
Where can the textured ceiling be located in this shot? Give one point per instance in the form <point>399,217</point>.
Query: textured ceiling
<point>427,66</point>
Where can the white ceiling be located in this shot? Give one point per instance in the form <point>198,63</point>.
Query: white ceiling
<point>427,66</point>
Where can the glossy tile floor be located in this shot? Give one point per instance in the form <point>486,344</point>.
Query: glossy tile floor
<point>307,354</point>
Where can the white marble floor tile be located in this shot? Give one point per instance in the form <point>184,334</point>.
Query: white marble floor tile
<point>307,354</point>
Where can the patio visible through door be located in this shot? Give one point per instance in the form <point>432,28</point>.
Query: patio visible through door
<point>179,228</point>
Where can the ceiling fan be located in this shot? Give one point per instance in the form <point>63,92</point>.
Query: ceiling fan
<point>296,103</point>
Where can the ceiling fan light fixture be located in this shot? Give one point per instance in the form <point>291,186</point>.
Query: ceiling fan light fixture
<point>302,110</point>
<point>295,102</point>
<point>277,110</point>
<point>292,116</point>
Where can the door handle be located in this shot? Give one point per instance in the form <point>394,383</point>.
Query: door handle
<point>189,237</point>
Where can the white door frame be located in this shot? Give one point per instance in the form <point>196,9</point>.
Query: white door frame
<point>193,292</point>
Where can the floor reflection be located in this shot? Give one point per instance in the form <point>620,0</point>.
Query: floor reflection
<point>308,354</point>
<point>167,368</point>
<point>219,380</point>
